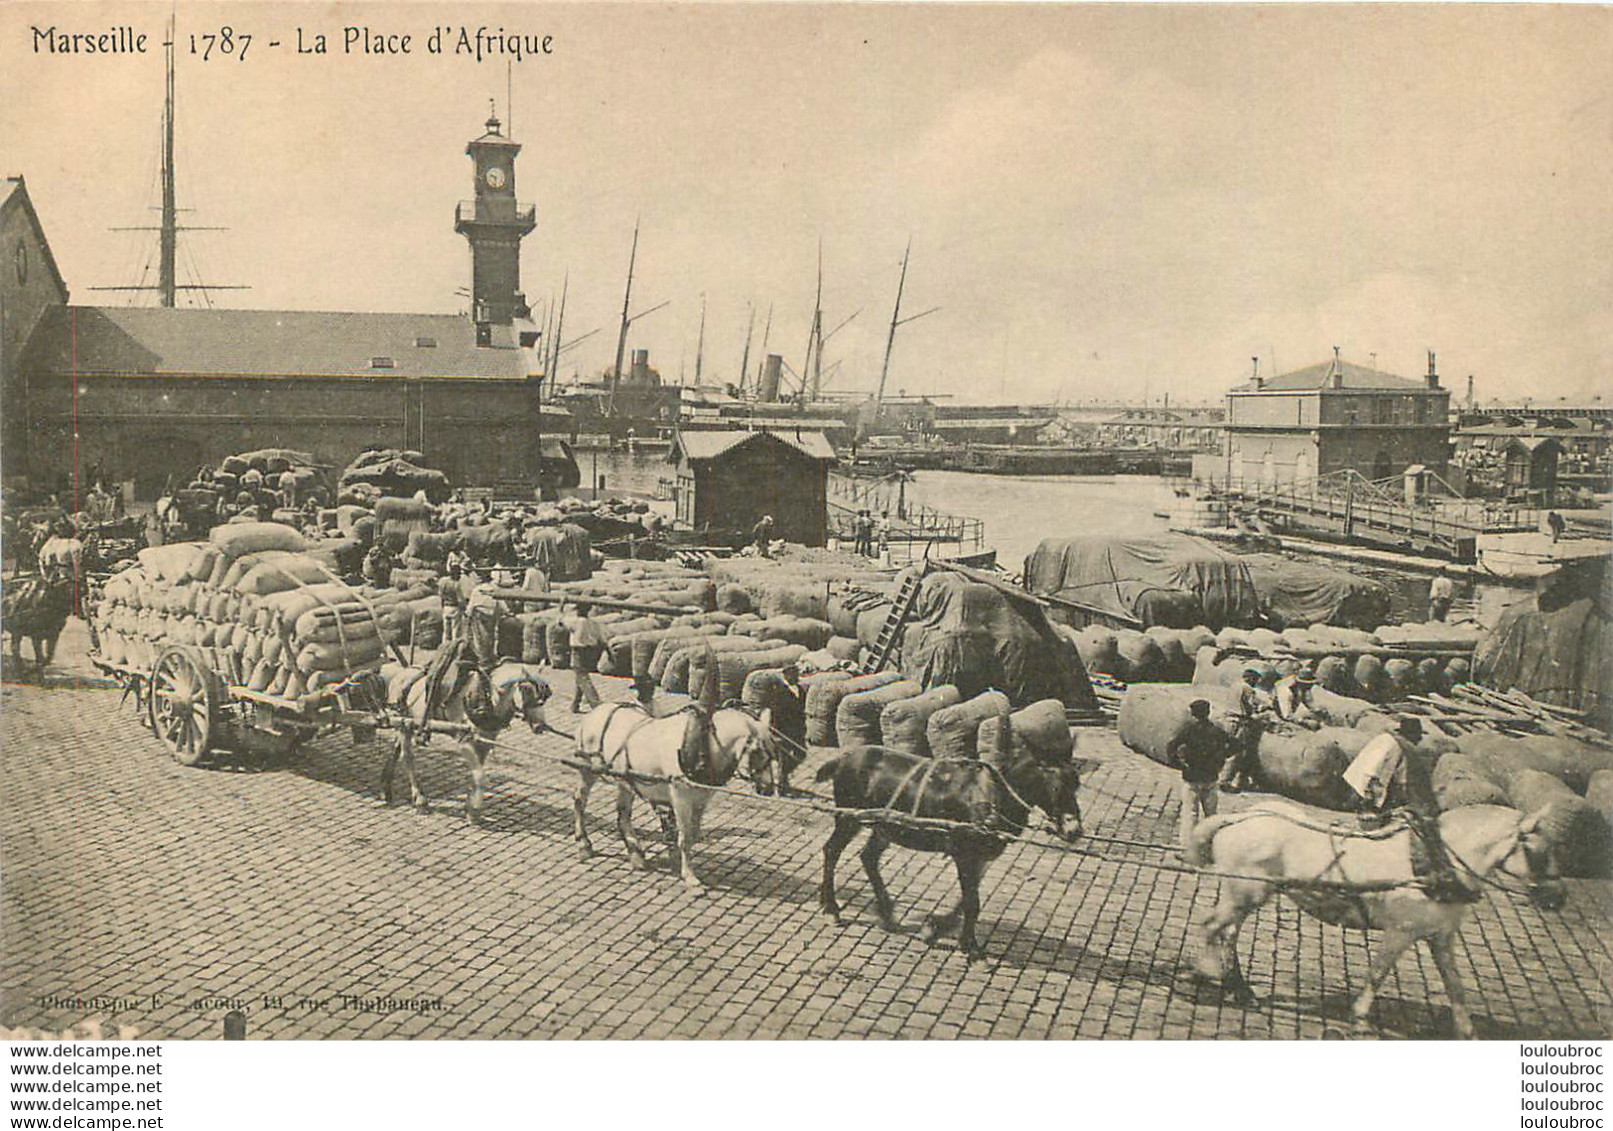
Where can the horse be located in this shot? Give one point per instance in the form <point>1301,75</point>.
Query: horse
<point>990,800</point>
<point>678,753</point>
<point>37,608</point>
<point>1375,885</point>
<point>451,692</point>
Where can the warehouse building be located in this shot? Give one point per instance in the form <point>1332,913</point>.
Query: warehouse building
<point>139,394</point>
<point>727,479</point>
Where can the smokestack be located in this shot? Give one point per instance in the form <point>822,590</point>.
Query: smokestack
<point>1471,402</point>
<point>1338,370</point>
<point>771,370</point>
<point>639,374</point>
<point>1258,381</point>
<point>1433,374</point>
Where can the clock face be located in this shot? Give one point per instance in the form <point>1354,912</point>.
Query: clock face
<point>495,177</point>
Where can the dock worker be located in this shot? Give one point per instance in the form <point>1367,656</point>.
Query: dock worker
<point>481,619</point>
<point>587,642</point>
<point>1293,697</point>
<point>789,726</point>
<point>1199,751</point>
<point>1255,709</point>
<point>1391,762</point>
<point>862,528</point>
<point>1441,593</point>
<point>762,535</point>
<point>1555,523</point>
<point>884,529</point>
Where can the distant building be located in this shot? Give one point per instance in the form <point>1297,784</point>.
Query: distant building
<point>727,480</point>
<point>145,393</point>
<point>1334,417</point>
<point>988,424</point>
<point>1179,429</point>
<point>1489,447</point>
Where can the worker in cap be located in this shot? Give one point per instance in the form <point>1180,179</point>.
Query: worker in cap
<point>1293,697</point>
<point>1391,774</point>
<point>1255,711</point>
<point>762,535</point>
<point>1199,750</point>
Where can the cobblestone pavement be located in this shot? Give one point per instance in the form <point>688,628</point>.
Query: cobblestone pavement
<point>183,892</point>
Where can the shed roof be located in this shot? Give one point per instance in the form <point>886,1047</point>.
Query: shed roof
<point>269,343</point>
<point>698,446</point>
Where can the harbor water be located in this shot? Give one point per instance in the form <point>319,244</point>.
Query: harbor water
<point>1019,511</point>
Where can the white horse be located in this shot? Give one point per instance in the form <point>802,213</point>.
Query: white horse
<point>486,704</point>
<point>677,755</point>
<point>1376,889</point>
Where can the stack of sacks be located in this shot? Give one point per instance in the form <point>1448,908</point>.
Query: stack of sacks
<point>264,614</point>
<point>734,668</point>
<point>843,648</point>
<point>1302,764</point>
<point>845,609</point>
<point>648,657</point>
<point>1374,677</point>
<point>679,675</point>
<point>563,553</point>
<point>1158,655</point>
<point>806,631</point>
<point>397,519</point>
<point>1539,774</point>
<point>1039,729</point>
<point>954,731</point>
<point>823,701</point>
<point>619,638</point>
<point>903,725</point>
<point>857,719</point>
<point>778,588</point>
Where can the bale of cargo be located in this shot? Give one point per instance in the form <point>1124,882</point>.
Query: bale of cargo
<point>823,701</point>
<point>652,650</point>
<point>857,720</point>
<point>1333,674</point>
<point>250,537</point>
<point>1459,780</point>
<point>557,643</point>
<point>1039,729</point>
<point>173,562</point>
<point>1400,679</point>
<point>281,574</point>
<point>563,553</point>
<point>1339,710</point>
<point>431,547</point>
<point>1576,830</point>
<point>843,648</point>
<point>1599,792</point>
<point>733,598</point>
<point>904,724</point>
<point>1566,759</point>
<point>952,731</point>
<point>1141,658</point>
<point>1458,669</point>
<point>735,668</point>
<point>1431,673</point>
<point>704,652</point>
<point>1151,715</point>
<point>1368,677</point>
<point>1308,766</point>
<point>534,638</point>
<point>1099,649</point>
<point>809,633</point>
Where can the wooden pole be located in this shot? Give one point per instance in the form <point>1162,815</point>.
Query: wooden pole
<point>621,338</point>
<point>521,595</point>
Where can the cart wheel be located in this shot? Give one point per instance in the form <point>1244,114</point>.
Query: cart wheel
<point>184,696</point>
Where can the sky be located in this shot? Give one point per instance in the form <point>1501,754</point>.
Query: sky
<point>1105,202</point>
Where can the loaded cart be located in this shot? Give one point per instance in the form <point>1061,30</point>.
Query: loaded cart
<point>247,641</point>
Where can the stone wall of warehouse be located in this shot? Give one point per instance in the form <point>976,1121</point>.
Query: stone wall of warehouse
<point>146,428</point>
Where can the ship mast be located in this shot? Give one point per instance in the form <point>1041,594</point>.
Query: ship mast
<point>168,285</point>
<point>700,345</point>
<point>744,361</point>
<point>621,338</point>
<point>896,320</point>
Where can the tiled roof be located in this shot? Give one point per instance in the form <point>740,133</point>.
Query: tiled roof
<point>1320,376</point>
<point>706,444</point>
<point>268,343</point>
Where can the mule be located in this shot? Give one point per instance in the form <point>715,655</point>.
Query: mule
<point>678,754</point>
<point>36,608</point>
<point>994,799</point>
<point>1376,888</point>
<point>488,703</point>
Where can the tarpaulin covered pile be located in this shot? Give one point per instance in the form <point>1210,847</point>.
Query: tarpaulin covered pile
<point>1304,593</point>
<point>1168,579</point>
<point>392,472</point>
<point>1555,648</point>
<point>976,638</point>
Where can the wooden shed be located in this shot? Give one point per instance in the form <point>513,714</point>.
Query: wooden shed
<point>728,479</point>
<point>1531,467</point>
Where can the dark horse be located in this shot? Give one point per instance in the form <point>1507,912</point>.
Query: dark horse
<point>991,800</point>
<point>37,608</point>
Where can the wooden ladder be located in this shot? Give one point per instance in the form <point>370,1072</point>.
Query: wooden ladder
<point>901,609</point>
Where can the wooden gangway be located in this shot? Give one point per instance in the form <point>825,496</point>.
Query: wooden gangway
<point>1347,506</point>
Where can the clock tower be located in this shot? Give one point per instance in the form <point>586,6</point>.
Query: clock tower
<point>494,223</point>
